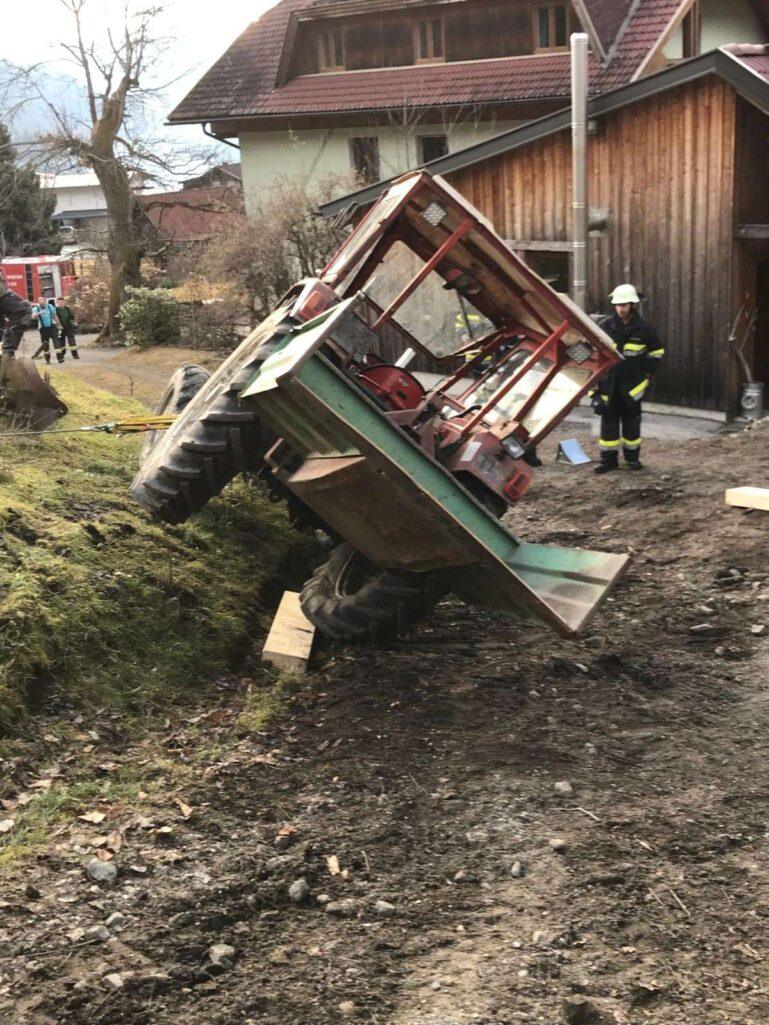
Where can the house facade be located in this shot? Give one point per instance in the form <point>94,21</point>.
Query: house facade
<point>80,202</point>
<point>338,91</point>
<point>678,205</point>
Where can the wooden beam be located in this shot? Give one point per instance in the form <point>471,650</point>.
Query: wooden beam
<point>748,498</point>
<point>538,246</point>
<point>753,231</point>
<point>289,643</point>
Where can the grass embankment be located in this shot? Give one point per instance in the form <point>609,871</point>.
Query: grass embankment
<point>101,606</point>
<point>136,373</point>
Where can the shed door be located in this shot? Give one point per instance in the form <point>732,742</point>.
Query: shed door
<point>762,322</point>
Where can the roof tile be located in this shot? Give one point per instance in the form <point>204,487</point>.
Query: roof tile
<point>190,214</point>
<point>242,83</point>
<point>608,17</point>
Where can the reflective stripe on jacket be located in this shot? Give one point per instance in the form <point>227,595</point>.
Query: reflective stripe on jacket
<point>642,350</point>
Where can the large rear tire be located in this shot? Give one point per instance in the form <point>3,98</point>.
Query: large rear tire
<point>349,597</point>
<point>212,449</point>
<point>183,386</point>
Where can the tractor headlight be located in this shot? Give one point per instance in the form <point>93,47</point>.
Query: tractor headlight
<point>513,447</point>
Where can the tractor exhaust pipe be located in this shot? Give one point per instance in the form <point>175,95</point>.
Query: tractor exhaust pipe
<point>579,88</point>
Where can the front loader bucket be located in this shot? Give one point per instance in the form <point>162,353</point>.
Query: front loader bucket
<point>381,491</point>
<point>23,392</point>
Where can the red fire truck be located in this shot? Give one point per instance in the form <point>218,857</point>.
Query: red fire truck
<point>33,276</point>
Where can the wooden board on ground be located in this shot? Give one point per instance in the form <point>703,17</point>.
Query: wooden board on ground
<point>748,498</point>
<point>289,643</point>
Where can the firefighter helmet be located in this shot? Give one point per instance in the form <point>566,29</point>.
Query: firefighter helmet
<point>624,294</point>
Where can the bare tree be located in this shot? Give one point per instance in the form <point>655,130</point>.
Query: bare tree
<point>262,254</point>
<point>118,74</point>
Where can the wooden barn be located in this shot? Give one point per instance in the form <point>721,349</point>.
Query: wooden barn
<point>679,198</point>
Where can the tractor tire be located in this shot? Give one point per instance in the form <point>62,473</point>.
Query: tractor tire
<point>212,449</point>
<point>350,598</point>
<point>182,387</point>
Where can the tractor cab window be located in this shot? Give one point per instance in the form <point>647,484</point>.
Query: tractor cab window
<point>560,393</point>
<point>436,314</point>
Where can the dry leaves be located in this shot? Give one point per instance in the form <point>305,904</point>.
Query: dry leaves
<point>115,841</point>
<point>184,808</point>
<point>268,759</point>
<point>93,816</point>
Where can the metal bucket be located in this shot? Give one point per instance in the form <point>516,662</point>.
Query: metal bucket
<point>753,400</point>
<point>24,392</point>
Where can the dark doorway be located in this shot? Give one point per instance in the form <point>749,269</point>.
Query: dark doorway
<point>761,360</point>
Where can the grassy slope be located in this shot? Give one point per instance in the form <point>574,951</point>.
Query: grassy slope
<point>100,605</point>
<point>135,373</point>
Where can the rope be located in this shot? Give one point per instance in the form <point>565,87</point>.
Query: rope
<point>140,426</point>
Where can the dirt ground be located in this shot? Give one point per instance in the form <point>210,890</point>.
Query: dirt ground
<point>494,826</point>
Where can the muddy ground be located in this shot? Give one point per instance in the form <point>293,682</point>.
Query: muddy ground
<point>414,790</point>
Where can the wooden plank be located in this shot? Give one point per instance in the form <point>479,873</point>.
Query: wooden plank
<point>664,168</point>
<point>289,643</point>
<point>539,246</point>
<point>753,231</point>
<point>748,498</point>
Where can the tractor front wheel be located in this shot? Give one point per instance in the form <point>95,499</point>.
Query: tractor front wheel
<point>349,597</point>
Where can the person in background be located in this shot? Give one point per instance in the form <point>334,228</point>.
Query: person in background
<point>45,314</point>
<point>66,320</point>
<point>618,397</point>
<point>15,317</point>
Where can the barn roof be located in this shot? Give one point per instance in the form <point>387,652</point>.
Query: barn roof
<point>190,214</point>
<point>249,81</point>
<point>754,58</point>
<point>745,68</point>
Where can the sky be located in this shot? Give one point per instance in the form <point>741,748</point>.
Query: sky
<point>197,33</point>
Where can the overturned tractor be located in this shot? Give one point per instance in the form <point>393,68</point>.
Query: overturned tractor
<point>409,470</point>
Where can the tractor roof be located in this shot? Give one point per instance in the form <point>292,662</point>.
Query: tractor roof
<point>424,212</point>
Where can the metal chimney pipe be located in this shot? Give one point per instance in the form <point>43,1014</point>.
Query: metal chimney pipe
<point>579,86</point>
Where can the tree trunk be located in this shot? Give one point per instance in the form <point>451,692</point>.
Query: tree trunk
<point>123,248</point>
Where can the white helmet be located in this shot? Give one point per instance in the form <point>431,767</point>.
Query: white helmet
<point>624,294</point>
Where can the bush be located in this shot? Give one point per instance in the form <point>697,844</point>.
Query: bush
<point>89,297</point>
<point>212,325</point>
<point>150,316</point>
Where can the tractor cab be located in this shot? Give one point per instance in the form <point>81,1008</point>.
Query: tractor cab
<point>438,288</point>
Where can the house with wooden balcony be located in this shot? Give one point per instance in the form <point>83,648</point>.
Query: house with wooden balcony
<point>360,90</point>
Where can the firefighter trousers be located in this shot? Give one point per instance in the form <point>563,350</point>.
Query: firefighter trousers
<point>621,429</point>
<point>48,335</point>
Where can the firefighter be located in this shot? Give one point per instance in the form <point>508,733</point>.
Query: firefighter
<point>619,395</point>
<point>15,317</point>
<point>46,317</point>
<point>66,319</point>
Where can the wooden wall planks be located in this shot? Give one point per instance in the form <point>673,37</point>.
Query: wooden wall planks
<point>664,168</point>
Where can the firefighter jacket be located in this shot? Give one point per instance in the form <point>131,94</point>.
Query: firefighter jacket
<point>642,350</point>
